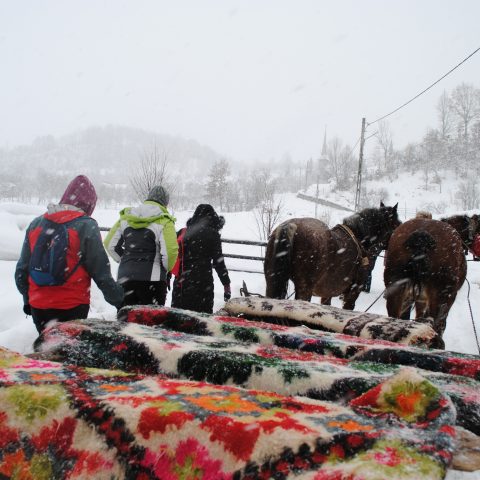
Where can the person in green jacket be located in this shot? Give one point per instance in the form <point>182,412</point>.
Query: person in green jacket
<point>144,242</point>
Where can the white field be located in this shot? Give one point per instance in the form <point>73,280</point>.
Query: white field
<point>17,331</point>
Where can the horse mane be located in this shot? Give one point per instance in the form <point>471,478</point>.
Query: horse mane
<point>460,218</point>
<point>368,225</point>
<point>461,223</point>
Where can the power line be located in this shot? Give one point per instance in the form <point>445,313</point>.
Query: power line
<point>372,135</point>
<point>423,91</point>
<point>353,148</point>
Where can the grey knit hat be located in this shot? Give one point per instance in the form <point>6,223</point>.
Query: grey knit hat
<point>159,194</point>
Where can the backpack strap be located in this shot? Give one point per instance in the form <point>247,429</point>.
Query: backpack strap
<point>73,270</point>
<point>77,265</point>
<point>178,267</point>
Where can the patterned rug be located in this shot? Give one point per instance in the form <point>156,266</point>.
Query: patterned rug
<point>64,421</point>
<point>331,319</point>
<point>305,339</point>
<point>225,361</point>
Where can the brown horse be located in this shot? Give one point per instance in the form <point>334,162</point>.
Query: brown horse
<point>327,262</point>
<point>424,266</point>
<point>467,227</point>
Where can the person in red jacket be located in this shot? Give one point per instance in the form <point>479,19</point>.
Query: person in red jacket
<point>56,285</point>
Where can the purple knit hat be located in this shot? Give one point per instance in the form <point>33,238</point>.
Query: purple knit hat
<point>81,194</point>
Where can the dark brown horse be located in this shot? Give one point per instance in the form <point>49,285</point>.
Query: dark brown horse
<point>467,227</point>
<point>424,266</point>
<point>327,262</point>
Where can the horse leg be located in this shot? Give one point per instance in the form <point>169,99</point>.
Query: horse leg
<point>398,306</point>
<point>303,290</point>
<point>422,304</point>
<point>350,298</point>
<point>406,313</point>
<point>304,294</point>
<point>399,298</point>
<point>326,300</point>
<point>437,305</point>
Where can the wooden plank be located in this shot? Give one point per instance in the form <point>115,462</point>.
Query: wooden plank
<point>243,257</point>
<point>245,242</point>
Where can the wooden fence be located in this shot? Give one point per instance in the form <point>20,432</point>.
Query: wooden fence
<point>234,255</point>
<point>244,257</point>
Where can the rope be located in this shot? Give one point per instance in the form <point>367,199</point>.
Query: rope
<point>375,301</point>
<point>471,316</point>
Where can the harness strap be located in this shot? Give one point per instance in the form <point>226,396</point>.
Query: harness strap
<point>471,316</point>
<point>365,261</point>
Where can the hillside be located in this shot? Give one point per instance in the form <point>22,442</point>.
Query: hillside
<point>109,155</point>
<point>408,190</point>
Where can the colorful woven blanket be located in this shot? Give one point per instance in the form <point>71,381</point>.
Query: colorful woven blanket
<point>331,319</point>
<point>305,339</point>
<point>152,350</point>
<point>63,421</point>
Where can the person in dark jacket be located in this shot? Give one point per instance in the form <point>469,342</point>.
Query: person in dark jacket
<point>85,259</point>
<point>143,241</point>
<point>200,248</point>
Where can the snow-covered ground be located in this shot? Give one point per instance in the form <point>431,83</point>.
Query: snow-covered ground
<point>18,333</point>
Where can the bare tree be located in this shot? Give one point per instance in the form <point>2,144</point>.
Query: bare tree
<point>151,171</point>
<point>269,209</point>
<point>430,152</point>
<point>468,194</point>
<point>465,103</point>
<point>339,162</point>
<point>444,109</point>
<point>385,144</point>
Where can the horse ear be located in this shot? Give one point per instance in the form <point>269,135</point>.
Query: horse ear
<point>382,204</point>
<point>395,207</point>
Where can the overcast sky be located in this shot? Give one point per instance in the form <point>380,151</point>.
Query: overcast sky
<point>252,79</point>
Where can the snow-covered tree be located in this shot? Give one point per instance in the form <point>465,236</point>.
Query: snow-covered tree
<point>445,114</point>
<point>269,209</point>
<point>466,105</point>
<point>217,183</point>
<point>341,163</point>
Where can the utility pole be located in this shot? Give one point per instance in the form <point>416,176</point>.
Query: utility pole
<point>360,165</point>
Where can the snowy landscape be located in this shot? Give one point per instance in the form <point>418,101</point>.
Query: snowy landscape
<point>266,110</point>
<point>17,331</point>
<point>409,190</point>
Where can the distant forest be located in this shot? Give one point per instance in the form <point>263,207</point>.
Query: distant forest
<point>122,162</point>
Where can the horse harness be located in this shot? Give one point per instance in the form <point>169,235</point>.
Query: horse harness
<point>362,256</point>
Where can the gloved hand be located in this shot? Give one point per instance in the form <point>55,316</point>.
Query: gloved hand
<point>27,309</point>
<point>227,293</point>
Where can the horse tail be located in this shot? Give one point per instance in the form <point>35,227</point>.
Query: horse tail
<point>278,260</point>
<point>419,244</point>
